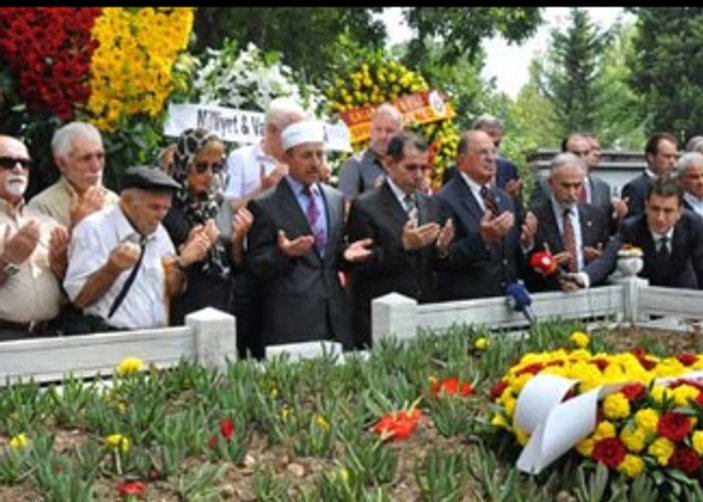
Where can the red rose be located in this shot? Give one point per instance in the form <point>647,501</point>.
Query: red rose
<point>609,452</point>
<point>674,426</point>
<point>686,460</point>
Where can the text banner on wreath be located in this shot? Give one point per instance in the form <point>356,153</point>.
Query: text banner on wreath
<point>240,126</point>
<point>417,109</point>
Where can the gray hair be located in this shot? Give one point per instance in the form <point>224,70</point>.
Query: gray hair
<point>695,144</point>
<point>62,141</point>
<point>687,160</point>
<point>388,110</point>
<point>565,159</point>
<point>487,121</point>
<point>281,112</point>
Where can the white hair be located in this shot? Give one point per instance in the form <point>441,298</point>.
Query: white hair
<point>62,141</point>
<point>282,112</point>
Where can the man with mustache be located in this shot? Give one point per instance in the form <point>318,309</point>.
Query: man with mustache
<point>30,293</point>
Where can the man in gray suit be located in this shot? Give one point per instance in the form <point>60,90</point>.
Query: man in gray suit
<point>297,247</point>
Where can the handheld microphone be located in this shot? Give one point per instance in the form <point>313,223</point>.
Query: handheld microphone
<point>520,300</point>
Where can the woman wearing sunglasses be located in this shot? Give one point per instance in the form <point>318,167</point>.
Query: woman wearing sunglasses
<point>198,164</point>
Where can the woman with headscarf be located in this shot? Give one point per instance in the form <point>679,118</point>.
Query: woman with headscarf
<point>198,165</point>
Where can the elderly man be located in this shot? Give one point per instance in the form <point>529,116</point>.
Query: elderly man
<point>689,173</point>
<point>254,168</point>
<point>366,171</point>
<point>122,266</point>
<point>573,231</point>
<point>410,237</point>
<point>79,154</point>
<point>297,247</point>
<point>30,293</point>
<point>490,240</point>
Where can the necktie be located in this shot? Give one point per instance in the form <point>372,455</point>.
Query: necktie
<point>569,240</point>
<point>410,206</point>
<point>663,255</point>
<point>489,200</point>
<point>316,223</point>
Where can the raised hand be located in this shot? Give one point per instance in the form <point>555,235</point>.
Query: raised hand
<point>58,251</point>
<point>241,224</point>
<point>445,237</point>
<point>358,251</point>
<point>415,237</point>
<point>528,230</point>
<point>620,207</point>
<point>297,247</point>
<point>513,188</point>
<point>494,228</point>
<point>91,201</point>
<point>197,246</point>
<point>272,179</point>
<point>20,246</point>
<point>124,256</point>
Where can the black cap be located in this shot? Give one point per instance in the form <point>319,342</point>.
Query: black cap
<point>148,178</point>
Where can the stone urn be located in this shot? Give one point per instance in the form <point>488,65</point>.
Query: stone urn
<point>630,261</point>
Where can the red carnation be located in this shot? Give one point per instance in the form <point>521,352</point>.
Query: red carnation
<point>609,452</point>
<point>674,426</point>
<point>131,489</point>
<point>498,389</point>
<point>601,364</point>
<point>686,460</point>
<point>634,391</point>
<point>687,359</point>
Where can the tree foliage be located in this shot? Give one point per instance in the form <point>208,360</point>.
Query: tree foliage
<point>307,37</point>
<point>572,73</point>
<point>666,68</point>
<point>462,29</point>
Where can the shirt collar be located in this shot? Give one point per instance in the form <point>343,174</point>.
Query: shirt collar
<point>298,187</point>
<point>11,210</point>
<point>398,192</point>
<point>657,237</point>
<point>126,232</point>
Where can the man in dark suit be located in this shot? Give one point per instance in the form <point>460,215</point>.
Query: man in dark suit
<point>489,239</point>
<point>660,152</point>
<point>297,247</point>
<point>409,235</point>
<point>507,175</point>
<point>670,237</point>
<point>573,232</point>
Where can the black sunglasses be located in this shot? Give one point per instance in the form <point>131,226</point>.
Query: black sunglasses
<point>9,163</point>
<point>216,167</point>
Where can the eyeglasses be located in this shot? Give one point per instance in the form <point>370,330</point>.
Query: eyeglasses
<point>9,163</point>
<point>215,167</point>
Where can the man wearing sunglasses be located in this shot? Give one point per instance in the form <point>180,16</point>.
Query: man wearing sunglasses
<point>79,154</point>
<point>30,293</point>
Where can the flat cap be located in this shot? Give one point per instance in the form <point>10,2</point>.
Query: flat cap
<point>148,178</point>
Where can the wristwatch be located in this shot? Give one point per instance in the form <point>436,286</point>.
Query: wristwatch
<point>10,269</point>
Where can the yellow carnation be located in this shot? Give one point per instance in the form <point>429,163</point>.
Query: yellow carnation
<point>647,419</point>
<point>580,339</point>
<point>661,448</point>
<point>698,442</point>
<point>616,406</point>
<point>633,438</point>
<point>631,466</point>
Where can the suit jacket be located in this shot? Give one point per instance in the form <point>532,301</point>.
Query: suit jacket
<point>505,172</point>
<point>474,269</point>
<point>685,268</point>
<point>303,299</point>
<point>595,232</point>
<point>636,191</point>
<point>378,215</point>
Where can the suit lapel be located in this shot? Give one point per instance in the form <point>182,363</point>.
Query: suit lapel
<point>392,207</point>
<point>468,201</point>
<point>335,218</point>
<point>289,205</point>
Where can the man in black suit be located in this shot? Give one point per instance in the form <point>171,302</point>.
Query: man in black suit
<point>489,239</point>
<point>409,235</point>
<point>507,174</point>
<point>297,247</point>
<point>575,233</point>
<point>670,237</point>
<point>660,152</point>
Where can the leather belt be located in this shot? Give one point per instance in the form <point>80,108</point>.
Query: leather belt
<point>37,328</point>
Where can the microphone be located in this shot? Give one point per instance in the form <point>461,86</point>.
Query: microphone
<point>520,300</point>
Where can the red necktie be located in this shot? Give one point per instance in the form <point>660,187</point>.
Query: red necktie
<point>489,200</point>
<point>569,240</point>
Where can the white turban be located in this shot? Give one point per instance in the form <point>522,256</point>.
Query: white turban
<point>302,132</point>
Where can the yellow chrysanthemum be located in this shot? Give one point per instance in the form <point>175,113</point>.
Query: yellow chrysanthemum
<point>647,419</point>
<point>697,441</point>
<point>633,438</point>
<point>662,449</point>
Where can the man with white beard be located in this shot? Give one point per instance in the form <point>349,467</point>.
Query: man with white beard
<point>30,293</point>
